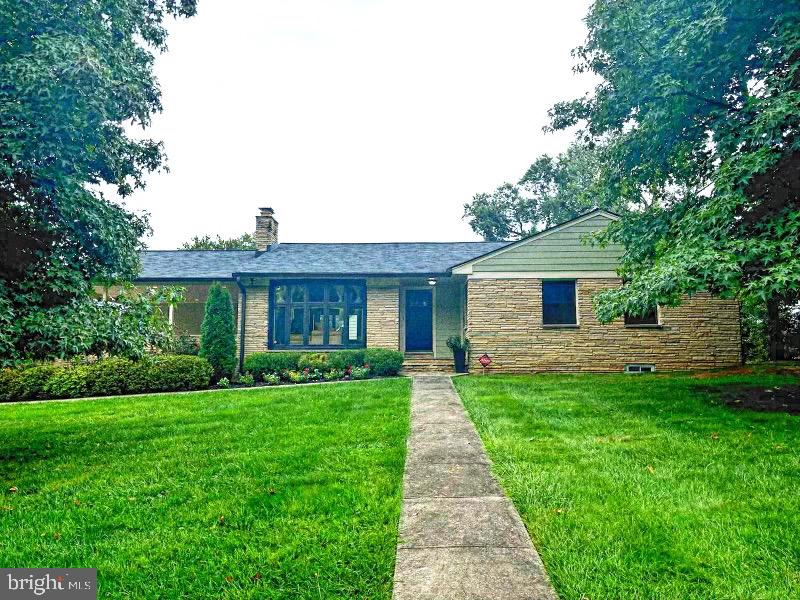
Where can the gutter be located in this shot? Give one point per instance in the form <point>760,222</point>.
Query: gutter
<point>242,316</point>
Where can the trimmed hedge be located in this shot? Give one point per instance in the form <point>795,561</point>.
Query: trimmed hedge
<point>107,377</point>
<point>381,361</point>
<point>341,359</point>
<point>259,363</point>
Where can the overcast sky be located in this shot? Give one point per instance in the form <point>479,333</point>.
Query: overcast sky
<point>356,120</point>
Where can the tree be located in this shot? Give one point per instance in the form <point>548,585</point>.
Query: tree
<point>551,191</point>
<point>504,214</point>
<point>217,333</point>
<point>72,73</point>
<point>206,242</point>
<point>699,107</point>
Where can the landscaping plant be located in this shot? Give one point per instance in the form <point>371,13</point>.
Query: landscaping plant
<point>271,379</point>
<point>106,377</point>
<point>382,362</point>
<point>77,80</point>
<point>217,333</point>
<point>289,366</point>
<point>460,347</point>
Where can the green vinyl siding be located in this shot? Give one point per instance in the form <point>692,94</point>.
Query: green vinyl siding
<point>562,250</point>
<point>447,321</point>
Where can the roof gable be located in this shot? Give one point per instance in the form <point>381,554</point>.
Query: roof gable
<point>559,249</point>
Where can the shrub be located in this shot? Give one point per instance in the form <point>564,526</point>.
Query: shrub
<point>383,362</point>
<point>261,363</point>
<point>271,378</point>
<point>30,382</point>
<point>112,376</point>
<point>333,375</point>
<point>247,379</point>
<point>224,382</point>
<point>341,359</point>
<point>359,373</point>
<point>186,344</point>
<point>217,333</point>
<point>313,360</point>
<point>297,376</point>
<point>7,376</point>
<point>168,373</point>
<point>106,377</point>
<point>457,343</point>
<point>67,382</point>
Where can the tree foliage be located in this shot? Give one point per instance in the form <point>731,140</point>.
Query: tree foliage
<point>699,109</point>
<point>551,191</point>
<point>129,324</point>
<point>218,332</point>
<point>72,74</point>
<point>206,242</point>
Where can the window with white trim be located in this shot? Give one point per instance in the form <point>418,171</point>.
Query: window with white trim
<point>559,303</point>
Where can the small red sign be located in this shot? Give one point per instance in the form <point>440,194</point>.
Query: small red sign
<point>485,360</point>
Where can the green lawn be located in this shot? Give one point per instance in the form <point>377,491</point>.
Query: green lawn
<point>269,493</point>
<point>643,486</point>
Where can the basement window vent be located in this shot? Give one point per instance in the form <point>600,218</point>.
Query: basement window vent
<point>639,368</point>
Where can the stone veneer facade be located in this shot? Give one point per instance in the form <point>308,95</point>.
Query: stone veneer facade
<point>504,320</point>
<point>383,315</point>
<point>255,325</point>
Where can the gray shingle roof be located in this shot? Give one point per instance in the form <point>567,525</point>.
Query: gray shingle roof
<point>411,258</point>
<point>192,264</point>
<point>385,258</point>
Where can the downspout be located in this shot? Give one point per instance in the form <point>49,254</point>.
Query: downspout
<point>242,316</point>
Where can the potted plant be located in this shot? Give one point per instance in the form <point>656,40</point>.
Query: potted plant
<point>460,347</point>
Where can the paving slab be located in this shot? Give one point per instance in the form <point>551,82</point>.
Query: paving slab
<point>438,414</point>
<point>488,521</point>
<point>449,480</point>
<point>460,537</point>
<point>452,432</point>
<point>446,449</point>
<point>470,574</point>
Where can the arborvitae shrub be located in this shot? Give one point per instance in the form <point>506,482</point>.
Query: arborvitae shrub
<point>218,332</point>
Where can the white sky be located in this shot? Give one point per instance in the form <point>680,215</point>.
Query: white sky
<point>356,120</point>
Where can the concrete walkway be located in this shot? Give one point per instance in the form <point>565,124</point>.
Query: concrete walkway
<point>460,536</point>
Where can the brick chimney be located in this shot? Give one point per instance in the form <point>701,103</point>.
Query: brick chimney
<point>266,230</point>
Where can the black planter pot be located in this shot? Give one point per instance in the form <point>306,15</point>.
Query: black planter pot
<point>460,361</point>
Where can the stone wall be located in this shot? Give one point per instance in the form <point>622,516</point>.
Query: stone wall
<point>504,320</point>
<point>255,325</point>
<point>383,315</point>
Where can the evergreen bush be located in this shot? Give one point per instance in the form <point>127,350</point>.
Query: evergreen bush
<point>218,332</point>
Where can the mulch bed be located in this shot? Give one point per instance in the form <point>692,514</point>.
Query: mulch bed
<point>779,398</point>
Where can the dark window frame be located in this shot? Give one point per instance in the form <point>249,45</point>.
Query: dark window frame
<point>566,324</point>
<point>326,304</point>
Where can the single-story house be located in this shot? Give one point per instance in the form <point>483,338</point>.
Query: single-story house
<point>527,304</point>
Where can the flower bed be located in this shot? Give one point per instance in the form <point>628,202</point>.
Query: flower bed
<point>170,373</point>
<point>274,368</point>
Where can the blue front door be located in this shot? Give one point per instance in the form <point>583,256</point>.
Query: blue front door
<point>419,320</point>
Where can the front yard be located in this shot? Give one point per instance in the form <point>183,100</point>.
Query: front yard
<point>645,486</point>
<point>268,493</point>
